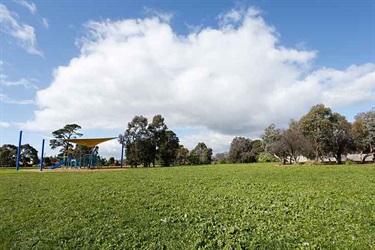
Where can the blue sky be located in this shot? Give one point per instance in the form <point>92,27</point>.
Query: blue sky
<point>213,69</point>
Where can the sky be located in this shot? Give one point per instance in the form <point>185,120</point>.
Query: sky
<point>213,69</point>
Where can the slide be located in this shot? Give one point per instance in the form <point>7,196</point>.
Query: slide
<point>57,165</point>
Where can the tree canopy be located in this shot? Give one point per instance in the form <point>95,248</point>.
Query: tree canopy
<point>69,131</point>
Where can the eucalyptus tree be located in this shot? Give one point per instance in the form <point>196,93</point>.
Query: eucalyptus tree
<point>328,132</point>
<point>182,157</point>
<point>363,132</point>
<point>318,126</point>
<point>341,141</point>
<point>240,150</point>
<point>135,136</point>
<point>157,129</point>
<point>201,154</point>
<point>270,136</point>
<point>169,147</point>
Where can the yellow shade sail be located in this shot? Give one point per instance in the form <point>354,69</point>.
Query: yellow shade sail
<point>90,142</point>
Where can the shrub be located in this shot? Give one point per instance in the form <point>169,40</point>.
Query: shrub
<point>266,158</point>
<point>350,162</point>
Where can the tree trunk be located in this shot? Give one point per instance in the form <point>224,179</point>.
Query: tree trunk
<point>338,158</point>
<point>317,153</point>
<point>364,158</point>
<point>283,161</point>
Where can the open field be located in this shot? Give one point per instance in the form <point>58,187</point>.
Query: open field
<point>248,206</point>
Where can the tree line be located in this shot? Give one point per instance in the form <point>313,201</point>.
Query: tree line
<point>319,135</point>
<point>146,144</point>
<point>153,143</point>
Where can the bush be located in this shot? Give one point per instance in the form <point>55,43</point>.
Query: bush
<point>350,162</point>
<point>311,163</point>
<point>267,158</point>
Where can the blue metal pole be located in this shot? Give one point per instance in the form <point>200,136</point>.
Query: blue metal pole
<point>122,151</point>
<point>19,152</point>
<point>41,156</point>
<point>91,156</point>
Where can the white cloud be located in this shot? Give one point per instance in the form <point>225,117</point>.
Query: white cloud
<point>164,16</point>
<point>45,23</point>
<point>232,80</point>
<point>24,33</point>
<point>342,88</point>
<point>27,84</point>
<point>4,124</point>
<point>30,6</point>
<point>5,99</point>
<point>110,148</point>
<point>215,140</point>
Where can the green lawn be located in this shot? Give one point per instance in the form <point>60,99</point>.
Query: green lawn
<point>252,206</point>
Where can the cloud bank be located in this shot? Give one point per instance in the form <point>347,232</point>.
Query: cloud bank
<point>235,79</point>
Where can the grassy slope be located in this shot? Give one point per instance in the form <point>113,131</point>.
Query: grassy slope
<point>248,206</point>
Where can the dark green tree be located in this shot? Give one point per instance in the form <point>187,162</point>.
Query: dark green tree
<point>318,126</point>
<point>169,148</point>
<point>182,156</point>
<point>328,132</point>
<point>111,161</point>
<point>363,134</point>
<point>81,150</point>
<point>341,142</point>
<point>157,129</point>
<point>137,138</point>
<point>28,155</point>
<point>256,149</point>
<point>8,155</point>
<point>240,150</point>
<point>47,161</point>
<point>291,144</point>
<point>69,131</point>
<point>201,154</point>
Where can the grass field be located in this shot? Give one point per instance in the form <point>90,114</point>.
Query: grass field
<point>253,206</point>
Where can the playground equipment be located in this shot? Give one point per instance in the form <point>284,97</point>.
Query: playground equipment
<point>57,165</point>
<point>66,160</point>
<point>84,161</point>
<point>87,160</point>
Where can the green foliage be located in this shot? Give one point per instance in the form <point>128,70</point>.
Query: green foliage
<point>182,157</point>
<point>270,136</point>
<point>145,143</point>
<point>350,162</point>
<point>257,206</point>
<point>328,132</point>
<point>311,163</point>
<point>80,150</point>
<point>69,131</point>
<point>263,158</point>
<point>168,149</point>
<point>8,155</point>
<point>201,154</point>
<point>241,151</point>
<point>28,155</point>
<point>363,133</point>
<point>291,144</point>
<point>221,158</point>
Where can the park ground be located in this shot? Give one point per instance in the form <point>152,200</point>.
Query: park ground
<point>239,206</point>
